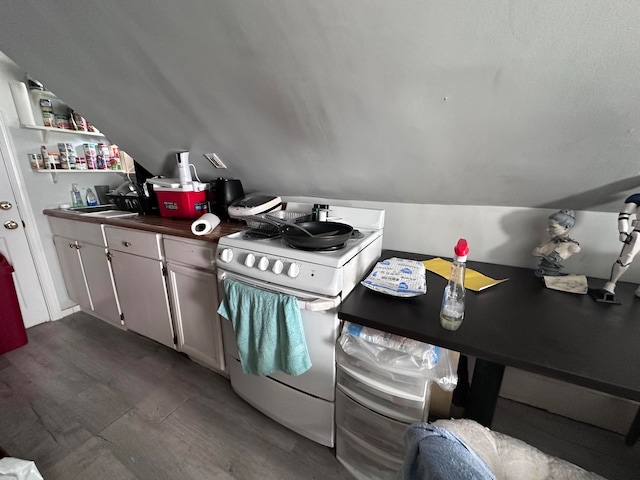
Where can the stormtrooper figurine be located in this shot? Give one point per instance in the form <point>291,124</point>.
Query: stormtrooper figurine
<point>629,232</point>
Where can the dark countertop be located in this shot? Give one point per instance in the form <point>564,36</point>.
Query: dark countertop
<point>520,323</point>
<point>151,223</point>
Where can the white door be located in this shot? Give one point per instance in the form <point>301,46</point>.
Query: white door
<point>14,246</point>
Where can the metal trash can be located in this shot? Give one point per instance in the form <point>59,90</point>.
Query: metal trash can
<point>13,333</point>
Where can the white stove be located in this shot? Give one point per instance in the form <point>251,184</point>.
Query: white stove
<point>319,280</point>
<point>327,272</point>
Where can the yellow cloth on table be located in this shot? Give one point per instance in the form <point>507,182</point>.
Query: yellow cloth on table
<point>473,280</point>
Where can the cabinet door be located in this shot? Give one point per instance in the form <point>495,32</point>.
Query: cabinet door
<point>194,300</point>
<point>72,271</point>
<point>99,280</point>
<point>143,296</point>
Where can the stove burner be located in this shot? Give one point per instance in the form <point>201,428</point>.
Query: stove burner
<point>357,234</point>
<point>260,234</point>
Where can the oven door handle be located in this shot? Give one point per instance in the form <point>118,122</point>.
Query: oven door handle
<point>318,305</point>
<point>315,305</point>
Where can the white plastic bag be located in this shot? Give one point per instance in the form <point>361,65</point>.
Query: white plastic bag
<point>397,353</point>
<point>17,469</point>
<point>399,277</point>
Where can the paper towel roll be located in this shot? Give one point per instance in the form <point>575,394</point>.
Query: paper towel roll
<point>23,103</point>
<point>205,224</point>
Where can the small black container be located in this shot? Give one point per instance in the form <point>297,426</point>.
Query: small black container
<point>222,193</point>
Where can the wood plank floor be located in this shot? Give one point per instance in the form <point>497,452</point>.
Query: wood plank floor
<point>86,400</point>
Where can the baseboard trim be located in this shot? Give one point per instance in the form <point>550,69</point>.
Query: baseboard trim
<point>572,401</point>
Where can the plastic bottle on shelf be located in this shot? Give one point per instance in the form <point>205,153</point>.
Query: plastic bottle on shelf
<point>92,200</point>
<point>452,311</point>
<point>76,198</point>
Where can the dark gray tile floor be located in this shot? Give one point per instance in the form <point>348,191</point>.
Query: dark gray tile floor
<point>86,400</point>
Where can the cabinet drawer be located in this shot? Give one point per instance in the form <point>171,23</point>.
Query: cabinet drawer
<point>412,383</point>
<point>143,244</point>
<point>389,402</point>
<point>376,430</point>
<point>82,231</point>
<point>190,252</point>
<point>363,461</point>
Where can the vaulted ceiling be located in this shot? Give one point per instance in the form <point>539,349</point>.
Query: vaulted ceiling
<point>415,101</point>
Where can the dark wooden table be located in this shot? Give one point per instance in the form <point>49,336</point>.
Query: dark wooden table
<point>522,324</point>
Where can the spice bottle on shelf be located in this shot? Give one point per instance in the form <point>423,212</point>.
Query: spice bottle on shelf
<point>452,311</point>
<point>114,153</point>
<point>89,150</point>
<point>46,159</point>
<point>48,117</point>
<point>54,160</point>
<point>71,156</point>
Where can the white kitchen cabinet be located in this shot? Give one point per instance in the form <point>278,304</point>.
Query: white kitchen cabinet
<point>194,300</point>
<point>139,274</point>
<point>81,249</point>
<point>72,271</point>
<point>100,282</point>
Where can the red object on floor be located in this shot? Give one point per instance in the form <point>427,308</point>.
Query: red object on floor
<point>12,331</point>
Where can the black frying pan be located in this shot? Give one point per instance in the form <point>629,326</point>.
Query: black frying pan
<point>323,234</point>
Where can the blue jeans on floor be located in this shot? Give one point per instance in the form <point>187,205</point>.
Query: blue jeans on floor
<point>434,453</point>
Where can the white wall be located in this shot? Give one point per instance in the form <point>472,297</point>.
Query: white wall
<point>503,235</point>
<point>42,191</point>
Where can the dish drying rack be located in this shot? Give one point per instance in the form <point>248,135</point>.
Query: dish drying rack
<point>288,215</point>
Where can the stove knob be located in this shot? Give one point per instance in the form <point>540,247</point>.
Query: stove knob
<point>263,264</point>
<point>278,266</point>
<point>226,255</point>
<point>294,270</point>
<point>250,260</point>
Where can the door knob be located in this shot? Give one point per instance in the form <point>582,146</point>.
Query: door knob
<point>4,205</point>
<point>10,225</point>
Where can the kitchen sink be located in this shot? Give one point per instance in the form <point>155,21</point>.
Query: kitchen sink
<point>96,208</point>
<point>109,214</point>
<point>102,211</point>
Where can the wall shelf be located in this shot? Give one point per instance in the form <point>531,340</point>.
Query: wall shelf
<point>54,173</point>
<point>28,107</point>
<point>48,130</point>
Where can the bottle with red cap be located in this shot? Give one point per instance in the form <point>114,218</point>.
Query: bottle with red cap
<point>452,311</point>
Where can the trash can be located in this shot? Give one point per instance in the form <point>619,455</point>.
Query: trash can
<point>13,333</point>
